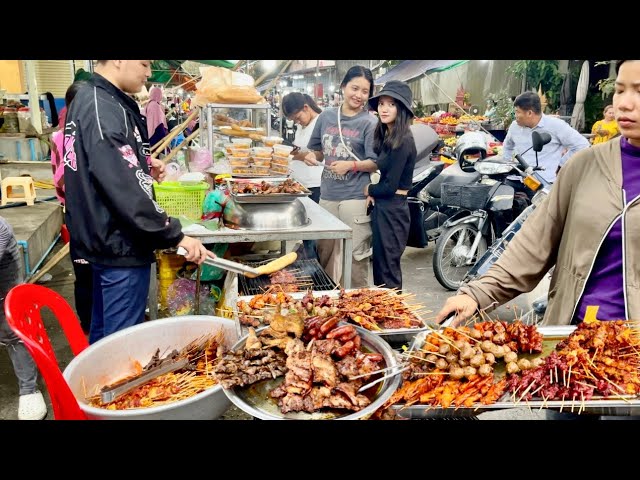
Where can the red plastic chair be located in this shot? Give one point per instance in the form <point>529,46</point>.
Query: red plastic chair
<point>22,308</point>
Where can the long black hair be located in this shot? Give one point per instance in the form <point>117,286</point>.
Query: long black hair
<point>72,90</point>
<point>355,72</point>
<point>294,102</point>
<point>383,138</point>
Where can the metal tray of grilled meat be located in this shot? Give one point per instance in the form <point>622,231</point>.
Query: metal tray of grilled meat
<point>615,406</point>
<point>395,337</point>
<point>256,401</point>
<point>266,197</point>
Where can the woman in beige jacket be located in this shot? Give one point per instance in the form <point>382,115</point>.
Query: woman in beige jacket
<point>588,226</point>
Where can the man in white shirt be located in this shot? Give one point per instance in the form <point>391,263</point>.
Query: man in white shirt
<point>302,110</point>
<point>565,140</point>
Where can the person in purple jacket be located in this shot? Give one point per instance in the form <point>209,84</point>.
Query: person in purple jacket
<point>589,227</point>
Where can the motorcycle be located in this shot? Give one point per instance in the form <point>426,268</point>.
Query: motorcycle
<point>428,213</point>
<point>537,298</point>
<point>288,130</point>
<point>485,208</point>
<point>275,119</point>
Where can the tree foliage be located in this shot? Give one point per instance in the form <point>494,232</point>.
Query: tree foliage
<point>540,73</point>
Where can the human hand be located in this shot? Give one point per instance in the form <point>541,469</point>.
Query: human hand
<point>370,203</point>
<point>341,167</point>
<point>310,159</point>
<point>463,305</point>
<point>196,251</point>
<point>158,169</point>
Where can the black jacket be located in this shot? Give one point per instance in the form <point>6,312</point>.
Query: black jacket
<point>111,214</point>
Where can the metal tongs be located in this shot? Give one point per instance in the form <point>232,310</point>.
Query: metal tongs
<point>110,392</point>
<point>225,264</point>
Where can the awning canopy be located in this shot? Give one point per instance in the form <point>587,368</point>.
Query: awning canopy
<point>410,69</point>
<point>162,71</point>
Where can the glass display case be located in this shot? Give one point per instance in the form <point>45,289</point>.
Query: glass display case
<point>230,121</point>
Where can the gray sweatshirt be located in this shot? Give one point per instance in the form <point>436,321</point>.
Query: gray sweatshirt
<point>357,132</point>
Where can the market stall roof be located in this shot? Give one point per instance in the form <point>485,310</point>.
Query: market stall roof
<point>410,69</point>
<point>162,71</point>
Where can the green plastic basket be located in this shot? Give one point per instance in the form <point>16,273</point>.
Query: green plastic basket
<point>181,199</point>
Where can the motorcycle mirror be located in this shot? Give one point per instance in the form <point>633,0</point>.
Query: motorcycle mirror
<point>539,140</point>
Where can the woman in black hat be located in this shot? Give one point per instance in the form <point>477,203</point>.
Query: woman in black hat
<point>396,150</point>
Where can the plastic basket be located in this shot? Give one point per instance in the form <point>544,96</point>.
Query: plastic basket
<point>473,197</point>
<point>180,199</point>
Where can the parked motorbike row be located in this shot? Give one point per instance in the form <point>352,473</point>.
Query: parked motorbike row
<point>468,209</point>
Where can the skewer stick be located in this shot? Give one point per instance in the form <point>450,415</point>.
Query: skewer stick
<point>416,357</point>
<point>381,379</point>
<point>375,372</point>
<point>465,335</point>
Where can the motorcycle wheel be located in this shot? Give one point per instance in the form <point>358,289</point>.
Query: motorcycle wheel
<point>450,249</point>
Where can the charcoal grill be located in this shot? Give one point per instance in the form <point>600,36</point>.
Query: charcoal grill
<point>309,267</point>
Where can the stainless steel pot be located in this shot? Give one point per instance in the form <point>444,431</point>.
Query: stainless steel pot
<point>110,358</point>
<point>255,399</point>
<point>266,216</point>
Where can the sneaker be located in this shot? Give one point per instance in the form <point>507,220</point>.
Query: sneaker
<point>32,407</point>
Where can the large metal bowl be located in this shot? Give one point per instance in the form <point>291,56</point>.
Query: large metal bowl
<point>266,216</point>
<point>255,399</point>
<point>110,358</point>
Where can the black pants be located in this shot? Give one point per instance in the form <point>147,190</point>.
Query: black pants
<point>83,291</point>
<point>310,250</point>
<point>390,222</point>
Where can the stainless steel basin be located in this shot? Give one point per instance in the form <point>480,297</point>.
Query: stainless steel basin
<point>266,216</point>
<point>111,358</point>
<point>256,401</point>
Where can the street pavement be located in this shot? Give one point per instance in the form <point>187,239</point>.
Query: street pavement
<point>417,275</point>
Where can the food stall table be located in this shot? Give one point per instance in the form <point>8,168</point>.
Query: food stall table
<point>322,225</point>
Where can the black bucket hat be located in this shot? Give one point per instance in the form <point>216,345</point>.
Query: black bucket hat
<point>394,89</point>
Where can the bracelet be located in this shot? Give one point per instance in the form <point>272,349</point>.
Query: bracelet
<point>354,169</point>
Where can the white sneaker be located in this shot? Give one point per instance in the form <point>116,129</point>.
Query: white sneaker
<point>32,407</point>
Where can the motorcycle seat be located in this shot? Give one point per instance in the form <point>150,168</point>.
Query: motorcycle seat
<point>453,174</point>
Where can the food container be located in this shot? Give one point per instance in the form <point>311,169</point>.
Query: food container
<point>240,152</point>
<point>271,141</point>
<point>280,160</point>
<point>260,170</point>
<point>242,141</point>
<point>279,170</point>
<point>394,336</point>
<point>110,358</point>
<point>239,161</point>
<point>262,161</point>
<point>255,399</point>
<point>241,170</point>
<point>262,152</point>
<point>552,335</point>
<point>282,150</point>
<point>284,215</point>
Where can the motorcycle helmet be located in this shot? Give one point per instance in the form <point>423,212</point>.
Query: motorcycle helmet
<point>470,147</point>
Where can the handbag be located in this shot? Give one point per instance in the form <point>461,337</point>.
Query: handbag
<point>417,232</point>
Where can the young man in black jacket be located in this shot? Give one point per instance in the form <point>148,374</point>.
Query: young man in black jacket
<point>114,221</point>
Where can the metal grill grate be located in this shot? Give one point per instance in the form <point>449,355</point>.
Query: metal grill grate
<point>310,267</point>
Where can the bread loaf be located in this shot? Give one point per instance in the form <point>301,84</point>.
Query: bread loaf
<point>275,265</point>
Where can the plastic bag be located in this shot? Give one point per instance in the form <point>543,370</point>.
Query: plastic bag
<point>181,296</point>
<point>199,159</point>
<point>221,85</point>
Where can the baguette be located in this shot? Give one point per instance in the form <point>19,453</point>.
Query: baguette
<point>275,265</point>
